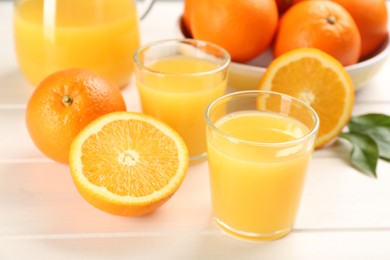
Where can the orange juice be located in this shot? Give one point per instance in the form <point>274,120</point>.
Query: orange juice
<point>97,35</point>
<point>256,185</point>
<point>179,99</point>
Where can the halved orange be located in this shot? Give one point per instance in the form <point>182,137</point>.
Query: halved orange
<point>128,163</point>
<point>319,80</point>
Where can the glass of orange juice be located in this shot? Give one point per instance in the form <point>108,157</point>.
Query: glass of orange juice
<point>99,35</point>
<point>259,147</point>
<point>176,80</point>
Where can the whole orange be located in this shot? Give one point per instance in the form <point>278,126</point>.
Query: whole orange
<point>63,104</point>
<point>324,25</point>
<point>371,19</point>
<point>244,28</point>
<point>188,4</point>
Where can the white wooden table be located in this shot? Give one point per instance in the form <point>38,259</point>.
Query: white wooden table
<point>344,214</point>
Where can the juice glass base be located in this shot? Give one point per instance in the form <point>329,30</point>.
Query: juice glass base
<point>249,236</point>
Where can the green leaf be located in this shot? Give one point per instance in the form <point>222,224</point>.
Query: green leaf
<point>364,122</point>
<point>365,153</point>
<point>381,135</point>
<point>378,127</point>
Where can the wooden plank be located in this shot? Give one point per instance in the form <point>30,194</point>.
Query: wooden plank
<point>40,198</point>
<point>360,244</point>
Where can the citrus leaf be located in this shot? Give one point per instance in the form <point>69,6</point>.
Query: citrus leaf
<point>378,127</point>
<point>381,135</point>
<point>365,153</point>
<point>363,122</point>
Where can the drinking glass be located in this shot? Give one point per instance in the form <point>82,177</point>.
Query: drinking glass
<point>176,80</point>
<point>259,147</point>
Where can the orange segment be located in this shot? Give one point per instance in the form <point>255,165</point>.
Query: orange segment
<point>128,163</point>
<point>319,80</point>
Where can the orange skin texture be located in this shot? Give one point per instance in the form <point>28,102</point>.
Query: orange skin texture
<point>319,24</point>
<point>283,5</point>
<point>188,5</point>
<point>53,124</point>
<point>121,209</point>
<point>371,19</point>
<point>244,28</point>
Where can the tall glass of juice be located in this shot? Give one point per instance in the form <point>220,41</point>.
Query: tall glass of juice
<point>259,147</point>
<point>99,35</point>
<point>176,80</point>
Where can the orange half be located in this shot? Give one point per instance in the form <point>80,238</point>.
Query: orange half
<point>317,79</point>
<point>128,163</point>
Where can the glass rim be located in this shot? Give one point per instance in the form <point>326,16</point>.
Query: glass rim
<point>225,56</point>
<point>312,131</point>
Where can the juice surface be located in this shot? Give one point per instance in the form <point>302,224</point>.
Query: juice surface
<point>180,99</point>
<point>255,189</point>
<point>97,35</point>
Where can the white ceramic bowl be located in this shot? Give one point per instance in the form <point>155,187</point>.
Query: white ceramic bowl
<point>244,76</point>
<point>247,75</point>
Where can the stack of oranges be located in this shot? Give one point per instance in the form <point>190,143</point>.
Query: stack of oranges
<point>348,30</point>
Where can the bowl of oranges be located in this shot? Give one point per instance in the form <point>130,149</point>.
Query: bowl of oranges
<point>355,32</point>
